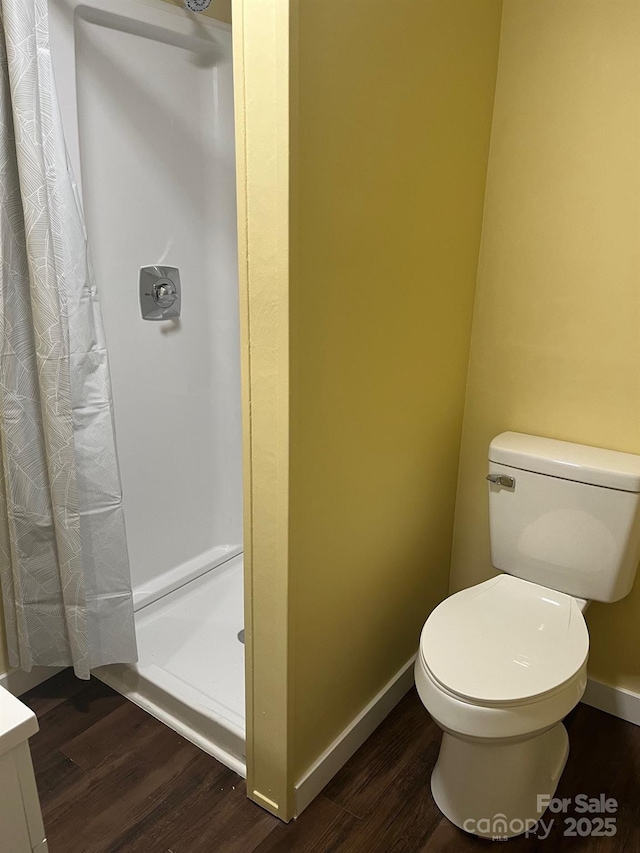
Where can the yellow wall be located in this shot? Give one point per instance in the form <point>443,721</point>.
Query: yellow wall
<point>556,333</point>
<point>390,145</point>
<point>261,46</point>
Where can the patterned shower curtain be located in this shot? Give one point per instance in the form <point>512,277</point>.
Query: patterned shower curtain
<point>64,567</point>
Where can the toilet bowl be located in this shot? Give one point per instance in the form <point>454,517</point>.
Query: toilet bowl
<point>502,663</point>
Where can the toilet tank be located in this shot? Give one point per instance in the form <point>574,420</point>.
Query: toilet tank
<point>565,516</point>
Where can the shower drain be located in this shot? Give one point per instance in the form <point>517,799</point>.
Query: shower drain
<point>241,635</point>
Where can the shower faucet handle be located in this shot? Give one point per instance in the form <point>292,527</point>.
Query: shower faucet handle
<point>165,293</point>
<point>159,293</point>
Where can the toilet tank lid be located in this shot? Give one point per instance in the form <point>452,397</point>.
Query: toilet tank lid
<point>580,462</point>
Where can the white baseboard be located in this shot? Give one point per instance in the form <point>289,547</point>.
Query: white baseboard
<point>17,681</point>
<point>614,700</point>
<point>352,738</point>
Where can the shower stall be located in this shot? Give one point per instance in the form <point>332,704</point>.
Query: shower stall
<point>146,95</point>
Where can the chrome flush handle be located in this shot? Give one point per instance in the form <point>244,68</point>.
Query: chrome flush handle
<point>502,480</point>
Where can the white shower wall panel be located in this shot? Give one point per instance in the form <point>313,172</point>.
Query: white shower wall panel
<point>146,94</point>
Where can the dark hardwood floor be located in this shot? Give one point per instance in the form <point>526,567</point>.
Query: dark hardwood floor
<point>114,780</point>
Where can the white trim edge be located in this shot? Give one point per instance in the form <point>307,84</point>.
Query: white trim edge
<point>17,681</point>
<point>614,700</point>
<point>354,735</point>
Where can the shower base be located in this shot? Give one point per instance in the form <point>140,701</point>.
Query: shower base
<point>190,672</point>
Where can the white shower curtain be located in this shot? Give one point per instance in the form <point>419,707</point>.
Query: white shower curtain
<point>64,567</point>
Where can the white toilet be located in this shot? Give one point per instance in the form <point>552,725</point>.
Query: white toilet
<point>502,663</point>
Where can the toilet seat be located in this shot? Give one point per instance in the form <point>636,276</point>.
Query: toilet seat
<point>505,642</point>
<point>515,704</point>
<point>496,722</point>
